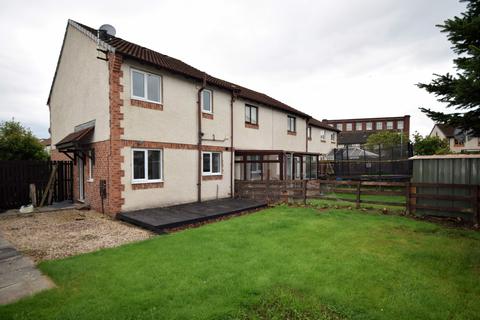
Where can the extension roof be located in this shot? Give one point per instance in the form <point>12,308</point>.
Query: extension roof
<point>137,52</point>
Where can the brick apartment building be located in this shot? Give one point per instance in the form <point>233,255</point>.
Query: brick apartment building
<point>355,132</point>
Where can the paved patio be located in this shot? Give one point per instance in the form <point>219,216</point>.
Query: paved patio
<point>159,219</point>
<point>18,275</point>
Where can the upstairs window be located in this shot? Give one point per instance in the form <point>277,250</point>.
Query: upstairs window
<point>379,126</point>
<point>339,126</point>
<point>358,126</point>
<point>333,136</point>
<point>251,114</point>
<point>322,134</point>
<point>389,125</point>
<point>349,127</point>
<point>292,125</point>
<point>309,132</point>
<point>369,126</point>
<point>207,101</point>
<point>400,124</point>
<point>146,86</point>
<point>212,163</point>
<point>147,165</point>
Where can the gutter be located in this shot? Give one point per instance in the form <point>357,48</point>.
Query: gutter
<point>200,135</point>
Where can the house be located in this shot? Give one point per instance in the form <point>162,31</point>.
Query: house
<point>458,141</point>
<point>355,132</point>
<point>46,143</point>
<point>148,130</point>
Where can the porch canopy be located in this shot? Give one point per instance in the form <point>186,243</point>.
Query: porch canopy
<point>76,143</point>
<point>278,165</point>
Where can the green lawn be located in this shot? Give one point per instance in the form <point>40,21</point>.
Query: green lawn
<point>280,263</point>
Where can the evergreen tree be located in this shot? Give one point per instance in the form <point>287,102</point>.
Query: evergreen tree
<point>462,90</point>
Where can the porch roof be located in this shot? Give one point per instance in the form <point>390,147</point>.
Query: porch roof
<point>73,140</point>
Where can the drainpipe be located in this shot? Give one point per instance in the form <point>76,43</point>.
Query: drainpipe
<point>232,156</point>
<point>306,135</point>
<point>200,135</point>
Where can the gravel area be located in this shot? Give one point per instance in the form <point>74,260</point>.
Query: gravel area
<point>59,234</point>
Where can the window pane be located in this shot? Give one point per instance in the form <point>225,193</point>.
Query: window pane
<point>389,124</point>
<point>138,84</point>
<point>399,124</point>
<point>349,127</point>
<point>339,126</point>
<point>138,165</point>
<point>358,126</point>
<point>379,125</point>
<point>369,126</point>
<point>206,162</point>
<point>216,162</point>
<point>247,114</point>
<point>253,115</point>
<point>207,100</point>
<point>153,91</point>
<point>154,164</point>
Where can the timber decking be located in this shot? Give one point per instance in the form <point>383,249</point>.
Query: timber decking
<point>159,219</point>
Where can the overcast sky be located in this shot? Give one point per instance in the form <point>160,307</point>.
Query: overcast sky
<point>331,59</point>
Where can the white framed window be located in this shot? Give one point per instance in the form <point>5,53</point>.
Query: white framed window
<point>292,124</point>
<point>251,114</point>
<point>400,124</point>
<point>212,163</point>
<point>147,165</point>
<point>333,136</point>
<point>369,126</point>
<point>309,132</point>
<point>146,86</point>
<point>90,165</point>
<point>349,127</point>
<point>358,126</point>
<point>207,101</point>
<point>389,125</point>
<point>339,126</point>
<point>379,125</point>
<point>322,134</point>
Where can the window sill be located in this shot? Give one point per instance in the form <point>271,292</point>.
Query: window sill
<point>323,140</point>
<point>292,133</point>
<point>146,104</point>
<point>251,125</point>
<point>212,177</point>
<point>90,180</point>
<point>146,185</point>
<point>207,115</point>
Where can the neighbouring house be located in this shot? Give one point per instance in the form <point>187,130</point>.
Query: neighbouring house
<point>458,141</point>
<point>46,143</point>
<point>355,132</point>
<point>147,130</point>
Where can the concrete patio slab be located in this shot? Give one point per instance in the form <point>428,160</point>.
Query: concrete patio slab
<point>19,277</point>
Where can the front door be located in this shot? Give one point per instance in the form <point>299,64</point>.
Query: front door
<point>81,190</point>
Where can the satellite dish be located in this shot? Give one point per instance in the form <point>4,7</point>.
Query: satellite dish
<point>108,29</point>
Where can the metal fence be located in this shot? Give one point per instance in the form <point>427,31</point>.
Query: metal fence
<point>373,162</point>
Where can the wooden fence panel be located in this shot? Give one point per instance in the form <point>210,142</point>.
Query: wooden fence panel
<point>291,190</point>
<point>16,177</point>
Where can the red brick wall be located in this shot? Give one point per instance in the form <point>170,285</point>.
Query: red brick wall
<point>55,155</point>
<point>116,173</point>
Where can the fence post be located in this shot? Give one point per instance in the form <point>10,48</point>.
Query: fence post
<point>305,191</point>
<point>476,205</point>
<point>358,194</point>
<point>407,198</point>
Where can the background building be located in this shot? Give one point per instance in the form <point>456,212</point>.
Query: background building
<point>355,132</point>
